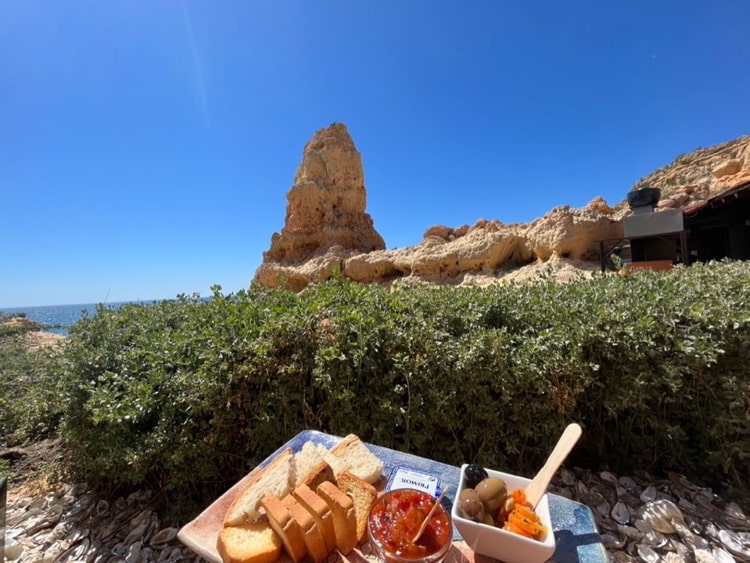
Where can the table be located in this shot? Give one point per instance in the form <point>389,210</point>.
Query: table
<point>576,537</point>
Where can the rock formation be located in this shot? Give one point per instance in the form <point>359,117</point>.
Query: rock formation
<point>326,227</point>
<point>699,175</point>
<point>327,202</point>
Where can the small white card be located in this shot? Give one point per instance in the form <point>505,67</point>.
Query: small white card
<point>403,478</point>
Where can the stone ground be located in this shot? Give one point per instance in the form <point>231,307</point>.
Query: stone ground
<point>640,518</point>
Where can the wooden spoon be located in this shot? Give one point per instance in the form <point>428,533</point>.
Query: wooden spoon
<point>535,490</point>
<point>423,527</point>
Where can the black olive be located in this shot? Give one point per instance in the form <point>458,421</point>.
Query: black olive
<point>473,475</point>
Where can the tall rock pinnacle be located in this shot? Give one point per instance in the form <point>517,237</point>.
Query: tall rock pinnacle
<point>326,205</point>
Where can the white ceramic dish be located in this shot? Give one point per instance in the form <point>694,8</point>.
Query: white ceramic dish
<point>496,542</point>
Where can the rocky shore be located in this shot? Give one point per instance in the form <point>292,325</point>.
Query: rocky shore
<point>639,517</point>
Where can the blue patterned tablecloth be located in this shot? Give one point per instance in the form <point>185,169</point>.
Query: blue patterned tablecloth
<point>572,522</point>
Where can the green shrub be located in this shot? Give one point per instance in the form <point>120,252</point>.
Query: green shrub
<point>30,392</point>
<point>189,395</point>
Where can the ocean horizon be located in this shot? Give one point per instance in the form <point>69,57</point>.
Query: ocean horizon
<point>58,318</point>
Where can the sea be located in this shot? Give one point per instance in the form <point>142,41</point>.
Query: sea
<point>58,318</point>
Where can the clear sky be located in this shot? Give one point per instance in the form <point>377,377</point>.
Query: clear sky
<point>146,147</point>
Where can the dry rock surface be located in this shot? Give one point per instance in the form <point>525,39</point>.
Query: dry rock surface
<point>326,207</point>
<point>694,177</point>
<point>326,227</point>
<point>639,518</point>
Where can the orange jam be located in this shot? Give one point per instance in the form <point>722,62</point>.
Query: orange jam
<point>396,517</point>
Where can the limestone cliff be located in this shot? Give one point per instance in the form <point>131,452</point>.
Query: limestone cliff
<point>326,226</point>
<point>699,175</point>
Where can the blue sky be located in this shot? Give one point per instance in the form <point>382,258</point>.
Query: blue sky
<point>146,147</point>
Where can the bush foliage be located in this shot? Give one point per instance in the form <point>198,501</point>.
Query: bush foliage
<point>30,388</point>
<point>189,394</point>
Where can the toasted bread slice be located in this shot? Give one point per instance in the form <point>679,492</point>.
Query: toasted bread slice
<point>287,527</point>
<point>249,543</point>
<point>275,479</point>
<point>320,511</point>
<point>352,455</point>
<point>363,495</point>
<point>322,472</point>
<point>311,534</point>
<point>344,520</point>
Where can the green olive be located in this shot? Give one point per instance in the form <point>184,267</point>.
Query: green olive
<point>471,506</point>
<point>491,492</point>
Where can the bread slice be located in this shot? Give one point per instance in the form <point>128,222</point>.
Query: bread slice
<point>363,495</point>
<point>275,479</point>
<point>352,455</point>
<point>249,543</point>
<point>306,461</point>
<point>320,511</point>
<point>344,520</point>
<point>322,472</point>
<point>311,534</point>
<point>287,527</point>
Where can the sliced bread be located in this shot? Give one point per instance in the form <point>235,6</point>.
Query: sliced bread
<point>275,479</point>
<point>363,495</point>
<point>249,543</point>
<point>320,511</point>
<point>287,527</point>
<point>311,534</point>
<point>306,461</point>
<point>352,455</point>
<point>344,520</point>
<point>322,472</point>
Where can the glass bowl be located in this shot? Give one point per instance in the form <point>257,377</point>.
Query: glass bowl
<point>382,522</point>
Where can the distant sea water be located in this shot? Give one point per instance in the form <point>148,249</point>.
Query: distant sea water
<point>63,316</point>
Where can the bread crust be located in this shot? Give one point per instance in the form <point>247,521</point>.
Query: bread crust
<point>323,472</point>
<point>342,446</point>
<point>344,520</point>
<point>235,546</point>
<point>287,527</point>
<point>320,511</point>
<point>235,514</point>
<point>311,534</point>
<point>363,496</point>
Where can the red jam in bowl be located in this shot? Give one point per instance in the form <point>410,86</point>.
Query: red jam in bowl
<point>395,518</point>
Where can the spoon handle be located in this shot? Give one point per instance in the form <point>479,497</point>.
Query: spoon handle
<point>423,527</point>
<point>535,490</point>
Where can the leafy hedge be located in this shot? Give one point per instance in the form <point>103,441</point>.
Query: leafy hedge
<point>30,388</point>
<point>190,394</point>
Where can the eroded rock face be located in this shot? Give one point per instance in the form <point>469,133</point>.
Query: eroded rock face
<point>326,205</point>
<point>327,229</point>
<point>573,233</point>
<point>699,175</point>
